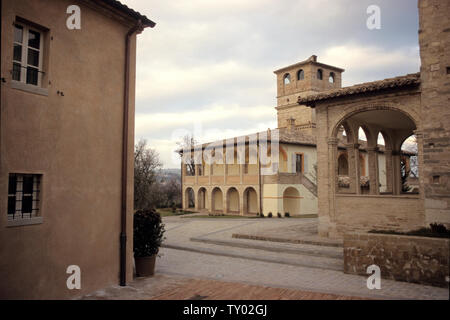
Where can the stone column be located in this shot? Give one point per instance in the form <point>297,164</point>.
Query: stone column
<point>333,173</point>
<point>374,178</point>
<point>389,173</point>
<point>224,202</point>
<point>211,201</point>
<point>357,168</point>
<point>396,176</point>
<point>196,199</point>
<point>351,166</point>
<point>241,202</point>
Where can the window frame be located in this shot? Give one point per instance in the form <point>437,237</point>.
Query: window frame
<point>25,218</point>
<point>302,73</point>
<point>287,76</point>
<point>319,71</point>
<point>332,76</point>
<point>24,63</point>
<point>302,162</point>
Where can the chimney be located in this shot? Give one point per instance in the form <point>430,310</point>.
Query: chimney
<point>313,58</point>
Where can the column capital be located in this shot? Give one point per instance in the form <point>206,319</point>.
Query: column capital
<point>418,133</point>
<point>332,141</point>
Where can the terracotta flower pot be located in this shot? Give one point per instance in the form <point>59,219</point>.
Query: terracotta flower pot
<point>145,266</point>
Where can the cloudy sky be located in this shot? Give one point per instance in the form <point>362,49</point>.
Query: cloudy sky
<point>207,66</point>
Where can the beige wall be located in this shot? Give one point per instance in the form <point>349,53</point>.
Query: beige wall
<point>75,142</point>
<point>310,159</point>
<point>274,196</point>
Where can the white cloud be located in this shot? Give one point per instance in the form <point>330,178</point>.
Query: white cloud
<point>210,62</point>
<point>168,79</point>
<point>359,60</point>
<point>166,147</point>
<point>147,124</point>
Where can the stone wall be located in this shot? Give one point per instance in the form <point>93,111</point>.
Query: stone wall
<point>356,213</point>
<point>403,258</point>
<point>434,39</point>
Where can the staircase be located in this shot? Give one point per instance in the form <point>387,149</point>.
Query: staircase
<point>311,186</point>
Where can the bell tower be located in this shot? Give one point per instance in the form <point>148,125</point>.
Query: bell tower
<point>302,79</point>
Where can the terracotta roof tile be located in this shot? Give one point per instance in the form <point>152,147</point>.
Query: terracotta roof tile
<point>130,12</point>
<point>397,82</point>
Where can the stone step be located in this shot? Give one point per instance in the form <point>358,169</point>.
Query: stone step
<point>261,255</point>
<point>303,249</point>
<point>305,240</point>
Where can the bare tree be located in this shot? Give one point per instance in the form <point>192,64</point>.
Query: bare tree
<point>171,192</point>
<point>187,143</point>
<point>146,168</point>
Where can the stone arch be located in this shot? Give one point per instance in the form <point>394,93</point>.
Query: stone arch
<point>189,198</point>
<point>367,132</point>
<point>217,200</point>
<point>350,112</point>
<point>250,201</point>
<point>291,201</point>
<point>233,200</point>
<point>202,198</point>
<point>349,134</point>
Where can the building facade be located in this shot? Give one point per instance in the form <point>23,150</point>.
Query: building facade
<point>232,186</point>
<point>66,134</point>
<point>414,104</point>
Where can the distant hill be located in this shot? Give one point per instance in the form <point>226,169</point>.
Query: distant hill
<point>167,174</point>
<point>172,171</point>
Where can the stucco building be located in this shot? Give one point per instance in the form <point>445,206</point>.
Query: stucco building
<point>66,145</point>
<point>240,187</point>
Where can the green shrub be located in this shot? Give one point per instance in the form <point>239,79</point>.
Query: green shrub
<point>434,231</point>
<point>438,228</point>
<point>148,233</point>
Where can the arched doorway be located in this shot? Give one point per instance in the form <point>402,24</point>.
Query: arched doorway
<point>233,201</point>
<point>217,200</point>
<point>250,201</point>
<point>291,201</point>
<point>189,198</point>
<point>202,199</point>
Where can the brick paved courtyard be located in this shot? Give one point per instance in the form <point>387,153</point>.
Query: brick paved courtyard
<point>217,266</point>
<point>165,287</point>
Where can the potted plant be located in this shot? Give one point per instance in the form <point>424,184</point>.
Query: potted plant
<point>147,238</point>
